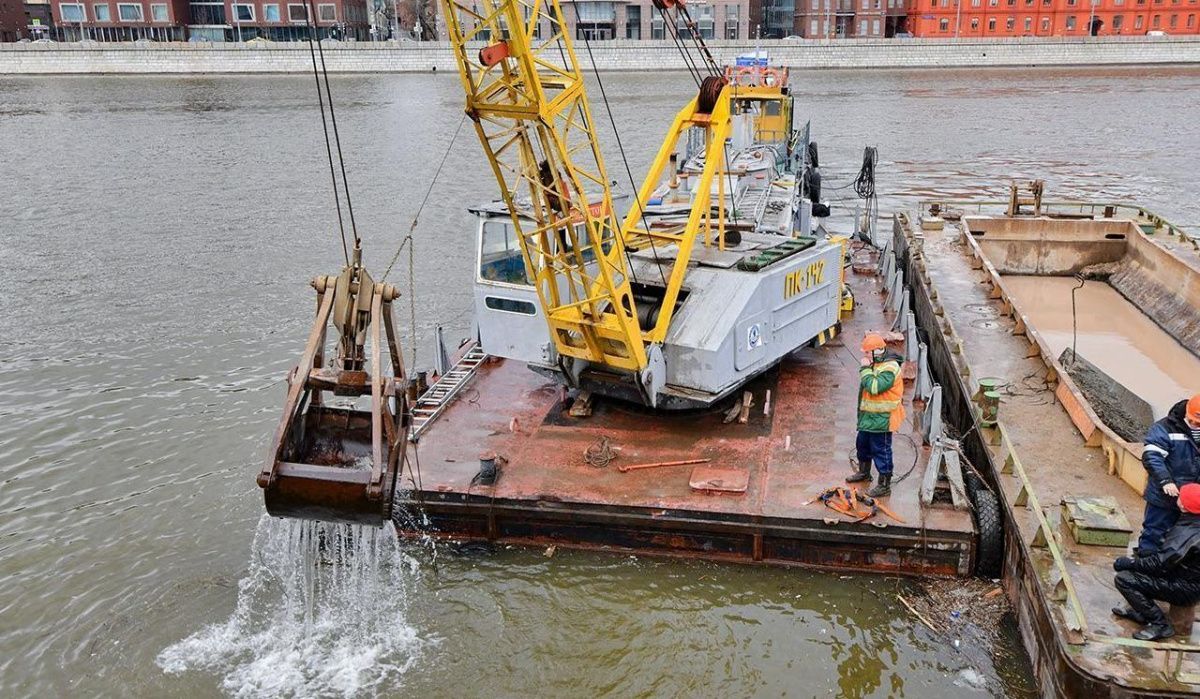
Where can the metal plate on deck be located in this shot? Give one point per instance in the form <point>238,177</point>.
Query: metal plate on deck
<point>719,479</point>
<point>1096,521</point>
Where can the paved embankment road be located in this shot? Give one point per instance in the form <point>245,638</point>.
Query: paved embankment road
<point>267,57</point>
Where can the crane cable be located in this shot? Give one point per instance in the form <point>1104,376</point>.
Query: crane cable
<point>628,172</point>
<point>337,199</point>
<point>337,138</point>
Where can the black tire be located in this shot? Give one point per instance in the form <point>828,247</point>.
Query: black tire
<point>989,558</point>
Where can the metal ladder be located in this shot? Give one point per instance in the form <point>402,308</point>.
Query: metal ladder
<point>434,401</point>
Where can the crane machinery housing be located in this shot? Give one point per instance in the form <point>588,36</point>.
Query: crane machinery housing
<point>712,274</point>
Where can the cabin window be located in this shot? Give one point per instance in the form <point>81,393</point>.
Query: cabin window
<point>498,303</point>
<point>500,258</point>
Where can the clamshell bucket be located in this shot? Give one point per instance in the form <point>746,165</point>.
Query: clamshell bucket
<point>339,463</point>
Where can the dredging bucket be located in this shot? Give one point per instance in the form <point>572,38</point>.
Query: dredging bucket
<point>340,463</point>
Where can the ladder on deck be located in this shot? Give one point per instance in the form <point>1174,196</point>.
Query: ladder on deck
<point>434,401</point>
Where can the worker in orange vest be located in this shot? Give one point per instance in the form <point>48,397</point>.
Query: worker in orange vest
<point>880,413</point>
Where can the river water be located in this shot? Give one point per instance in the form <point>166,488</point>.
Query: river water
<point>156,237</point>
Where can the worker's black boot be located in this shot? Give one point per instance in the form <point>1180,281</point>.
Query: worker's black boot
<point>882,487</point>
<point>1129,613</point>
<point>862,474</point>
<point>1155,632</point>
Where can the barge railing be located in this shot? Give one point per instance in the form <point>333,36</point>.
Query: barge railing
<point>1078,208</point>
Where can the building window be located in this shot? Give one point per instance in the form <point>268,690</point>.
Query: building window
<point>974,24</point>
<point>875,27</point>
<point>1070,22</point>
<point>1117,22</point>
<point>327,13</point>
<point>633,22</point>
<point>1028,24</point>
<point>271,13</point>
<point>158,13</point>
<point>1172,21</point>
<point>243,13</point>
<point>944,25</point>
<point>993,3</point>
<point>1137,22</point>
<point>297,13</point>
<point>1045,24</point>
<point>708,26</point>
<point>991,24</point>
<point>72,13</point>
<point>102,13</point>
<point>975,3</point>
<point>812,28</point>
<point>128,12</point>
<point>658,28</point>
<point>1156,22</point>
<point>1010,24</point>
<point>1118,2</point>
<point>1071,3</point>
<point>862,27</point>
<point>1191,21</point>
<point>207,13</point>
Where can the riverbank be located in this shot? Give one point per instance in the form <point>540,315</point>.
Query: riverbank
<point>618,55</point>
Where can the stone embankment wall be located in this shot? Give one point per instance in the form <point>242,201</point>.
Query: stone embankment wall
<point>263,57</point>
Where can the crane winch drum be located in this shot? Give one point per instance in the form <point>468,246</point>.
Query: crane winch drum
<point>340,463</point>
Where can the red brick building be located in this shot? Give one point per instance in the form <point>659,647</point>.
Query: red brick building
<point>120,20</point>
<point>214,20</point>
<point>12,20</point>
<point>1006,18</point>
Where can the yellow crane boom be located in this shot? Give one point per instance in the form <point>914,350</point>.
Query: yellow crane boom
<point>526,96</point>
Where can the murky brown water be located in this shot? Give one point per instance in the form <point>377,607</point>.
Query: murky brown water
<point>1112,334</point>
<point>156,236</point>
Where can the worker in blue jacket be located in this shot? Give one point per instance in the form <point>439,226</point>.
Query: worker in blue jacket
<point>1171,456</point>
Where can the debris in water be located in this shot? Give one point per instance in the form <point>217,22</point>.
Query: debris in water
<point>549,553</point>
<point>322,611</point>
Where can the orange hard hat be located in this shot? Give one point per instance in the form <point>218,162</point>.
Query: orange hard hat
<point>1193,408</point>
<point>874,341</point>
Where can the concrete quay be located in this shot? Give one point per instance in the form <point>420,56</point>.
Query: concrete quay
<point>618,55</point>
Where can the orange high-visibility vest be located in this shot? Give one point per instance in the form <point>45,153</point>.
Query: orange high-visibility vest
<point>891,401</point>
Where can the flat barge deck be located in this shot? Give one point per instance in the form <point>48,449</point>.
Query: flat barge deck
<point>795,443</point>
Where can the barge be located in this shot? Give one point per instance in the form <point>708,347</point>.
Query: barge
<point>1068,483</point>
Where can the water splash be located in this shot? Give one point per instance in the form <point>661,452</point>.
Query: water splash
<point>323,611</point>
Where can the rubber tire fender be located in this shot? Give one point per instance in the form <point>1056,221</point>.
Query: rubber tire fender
<point>989,554</point>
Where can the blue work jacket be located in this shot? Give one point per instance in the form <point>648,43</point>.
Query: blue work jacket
<point>1170,456</point>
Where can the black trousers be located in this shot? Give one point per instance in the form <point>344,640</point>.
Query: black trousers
<point>1142,590</point>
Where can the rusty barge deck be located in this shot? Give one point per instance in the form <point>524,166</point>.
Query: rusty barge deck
<point>547,493</point>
